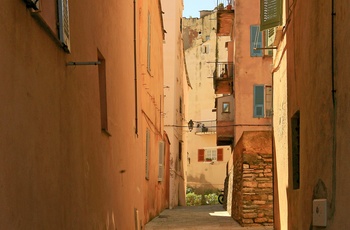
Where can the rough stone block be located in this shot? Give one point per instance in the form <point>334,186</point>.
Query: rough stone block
<point>249,215</point>
<point>260,220</point>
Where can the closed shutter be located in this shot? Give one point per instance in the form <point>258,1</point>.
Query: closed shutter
<point>200,155</point>
<point>220,156</point>
<point>161,161</point>
<point>149,43</point>
<point>63,17</point>
<point>258,101</point>
<point>255,41</point>
<point>270,13</point>
<point>147,153</point>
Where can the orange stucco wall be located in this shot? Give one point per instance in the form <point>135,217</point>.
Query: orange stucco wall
<point>58,169</point>
<point>324,124</point>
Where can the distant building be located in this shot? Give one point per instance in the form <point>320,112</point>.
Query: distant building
<point>206,162</point>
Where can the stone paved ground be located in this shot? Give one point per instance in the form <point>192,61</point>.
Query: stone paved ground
<point>206,217</point>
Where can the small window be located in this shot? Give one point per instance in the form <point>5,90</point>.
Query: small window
<point>205,49</point>
<point>225,107</point>
<point>295,123</point>
<point>255,41</point>
<point>147,153</point>
<point>149,43</point>
<point>161,161</point>
<point>258,101</point>
<point>262,101</point>
<point>180,150</point>
<point>209,155</point>
<point>103,92</point>
<point>180,105</point>
<point>63,16</point>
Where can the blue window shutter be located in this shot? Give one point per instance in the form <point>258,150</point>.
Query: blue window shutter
<point>258,101</point>
<point>255,41</point>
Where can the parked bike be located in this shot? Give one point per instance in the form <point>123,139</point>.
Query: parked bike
<point>221,197</point>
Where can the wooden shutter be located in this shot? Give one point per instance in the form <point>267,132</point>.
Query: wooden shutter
<point>270,13</point>
<point>63,18</point>
<point>220,153</point>
<point>161,161</point>
<point>259,101</point>
<point>255,41</point>
<point>147,153</point>
<point>149,42</point>
<point>200,155</point>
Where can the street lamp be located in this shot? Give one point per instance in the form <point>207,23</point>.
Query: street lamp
<point>190,125</point>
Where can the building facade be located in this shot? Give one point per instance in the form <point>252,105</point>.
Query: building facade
<point>310,121</point>
<point>176,86</point>
<point>206,162</point>
<point>82,136</point>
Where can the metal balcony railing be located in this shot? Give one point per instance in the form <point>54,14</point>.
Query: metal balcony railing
<point>224,70</point>
<point>205,127</point>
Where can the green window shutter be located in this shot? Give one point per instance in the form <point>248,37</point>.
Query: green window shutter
<point>255,41</point>
<point>63,18</point>
<point>161,161</point>
<point>258,101</point>
<point>270,13</point>
<point>147,152</point>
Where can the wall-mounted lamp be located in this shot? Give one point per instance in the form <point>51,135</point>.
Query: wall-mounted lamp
<point>190,125</point>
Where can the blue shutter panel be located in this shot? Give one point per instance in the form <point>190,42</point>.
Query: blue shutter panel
<point>255,41</point>
<point>258,101</point>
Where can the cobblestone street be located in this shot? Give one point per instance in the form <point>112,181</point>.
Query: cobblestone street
<point>206,217</point>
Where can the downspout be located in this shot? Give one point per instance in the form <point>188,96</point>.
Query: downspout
<point>334,102</point>
<point>135,72</point>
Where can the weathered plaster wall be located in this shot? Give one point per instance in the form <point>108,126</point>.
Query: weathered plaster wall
<point>248,70</point>
<point>201,65</point>
<point>323,125</point>
<point>59,170</point>
<point>174,86</point>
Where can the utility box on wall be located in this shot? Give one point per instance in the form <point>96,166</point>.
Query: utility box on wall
<point>319,213</point>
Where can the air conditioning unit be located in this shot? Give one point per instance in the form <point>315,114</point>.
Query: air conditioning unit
<point>33,4</point>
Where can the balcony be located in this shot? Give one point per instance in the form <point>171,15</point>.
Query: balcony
<point>205,127</point>
<point>223,78</point>
<point>225,18</point>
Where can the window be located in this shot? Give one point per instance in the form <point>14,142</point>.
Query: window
<point>103,92</point>
<point>255,41</point>
<point>295,123</point>
<point>149,43</point>
<point>270,13</point>
<point>226,107</point>
<point>161,161</point>
<point>147,153</point>
<point>180,105</point>
<point>54,17</point>
<point>269,38</point>
<point>63,17</point>
<point>209,155</point>
<point>205,49</point>
<point>262,100</point>
<point>180,150</point>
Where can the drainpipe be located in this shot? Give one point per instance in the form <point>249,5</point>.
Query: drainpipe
<point>334,101</point>
<point>135,72</point>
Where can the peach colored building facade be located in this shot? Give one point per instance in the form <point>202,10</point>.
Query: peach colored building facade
<point>311,122</point>
<point>176,86</point>
<point>82,132</point>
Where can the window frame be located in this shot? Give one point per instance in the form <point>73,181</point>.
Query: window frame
<point>255,41</point>
<point>226,110</point>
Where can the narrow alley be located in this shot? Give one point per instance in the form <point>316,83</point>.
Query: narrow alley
<point>197,217</point>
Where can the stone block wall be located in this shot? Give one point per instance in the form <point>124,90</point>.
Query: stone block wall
<point>252,199</point>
